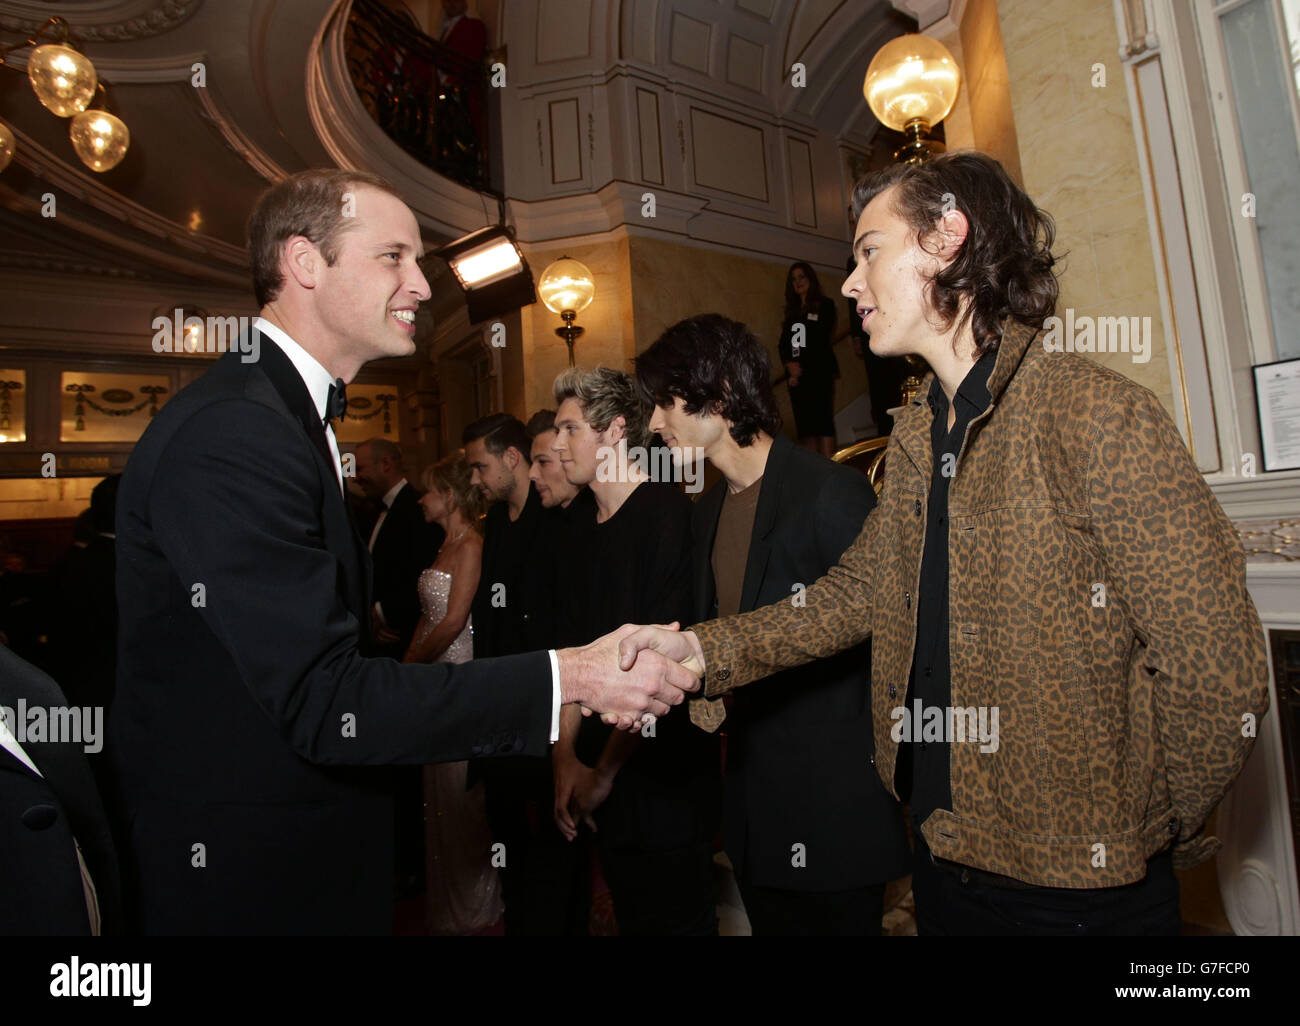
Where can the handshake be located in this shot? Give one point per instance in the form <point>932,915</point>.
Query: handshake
<point>632,673</point>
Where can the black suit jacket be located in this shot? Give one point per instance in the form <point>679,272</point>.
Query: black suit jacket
<point>40,816</point>
<point>248,729</point>
<point>405,547</point>
<point>800,744</point>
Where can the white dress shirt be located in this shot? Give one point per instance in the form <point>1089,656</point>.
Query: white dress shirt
<point>318,381</point>
<point>314,376</point>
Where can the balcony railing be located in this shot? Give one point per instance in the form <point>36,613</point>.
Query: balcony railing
<point>429,99</point>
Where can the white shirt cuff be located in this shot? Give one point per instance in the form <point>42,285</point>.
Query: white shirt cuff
<point>555,696</point>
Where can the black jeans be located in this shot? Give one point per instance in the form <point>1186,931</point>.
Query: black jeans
<point>952,900</point>
<point>774,912</point>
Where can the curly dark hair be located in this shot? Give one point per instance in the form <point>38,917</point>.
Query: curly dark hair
<point>1004,268</point>
<point>716,364</point>
<point>794,306</point>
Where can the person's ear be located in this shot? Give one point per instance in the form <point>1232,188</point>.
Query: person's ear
<point>617,429</point>
<point>950,233</point>
<point>302,261</point>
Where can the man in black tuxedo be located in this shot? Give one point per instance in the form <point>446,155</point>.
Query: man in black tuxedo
<point>56,855</point>
<point>812,834</point>
<point>402,546</point>
<point>248,726</point>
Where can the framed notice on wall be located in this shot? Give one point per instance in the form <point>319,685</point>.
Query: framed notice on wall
<point>1277,402</point>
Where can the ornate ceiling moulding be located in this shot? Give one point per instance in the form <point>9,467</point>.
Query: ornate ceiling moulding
<point>50,169</point>
<point>101,21</point>
<point>237,139</point>
<point>21,261</point>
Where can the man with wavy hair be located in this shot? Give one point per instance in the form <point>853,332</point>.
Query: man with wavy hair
<point>1066,663</point>
<point>811,834</point>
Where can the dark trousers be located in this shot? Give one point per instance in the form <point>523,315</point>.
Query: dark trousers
<point>660,892</point>
<point>655,841</point>
<point>953,900</point>
<point>408,830</point>
<point>546,881</point>
<point>774,912</point>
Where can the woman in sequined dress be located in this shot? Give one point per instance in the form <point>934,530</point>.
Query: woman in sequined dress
<point>464,894</point>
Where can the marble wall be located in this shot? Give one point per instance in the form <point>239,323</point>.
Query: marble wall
<point>987,85</point>
<point>675,281</point>
<point>1079,160</point>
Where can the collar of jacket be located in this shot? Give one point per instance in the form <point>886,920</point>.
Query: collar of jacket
<point>912,425</point>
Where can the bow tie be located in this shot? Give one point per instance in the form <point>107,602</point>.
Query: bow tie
<point>336,403</point>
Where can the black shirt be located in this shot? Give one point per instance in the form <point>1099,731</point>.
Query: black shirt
<point>512,609</point>
<point>923,766</point>
<point>633,568</point>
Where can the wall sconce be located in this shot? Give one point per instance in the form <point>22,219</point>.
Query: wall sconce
<point>65,82</point>
<point>911,85</point>
<point>491,271</point>
<point>566,287</point>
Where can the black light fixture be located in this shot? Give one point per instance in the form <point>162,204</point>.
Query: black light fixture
<point>491,271</point>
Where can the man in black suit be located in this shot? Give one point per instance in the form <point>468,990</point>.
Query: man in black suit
<point>402,546</point>
<point>56,855</point>
<point>812,834</point>
<point>514,611</point>
<point>248,725</point>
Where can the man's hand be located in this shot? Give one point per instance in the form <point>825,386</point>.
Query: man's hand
<point>565,769</point>
<point>593,787</point>
<point>579,792</point>
<point>624,690</point>
<point>681,647</point>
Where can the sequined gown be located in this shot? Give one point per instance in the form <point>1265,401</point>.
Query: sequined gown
<point>464,893</point>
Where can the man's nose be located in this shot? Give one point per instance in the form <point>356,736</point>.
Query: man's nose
<point>418,284</point>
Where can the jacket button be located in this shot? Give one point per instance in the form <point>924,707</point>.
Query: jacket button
<point>1173,825</point>
<point>525,616</point>
<point>916,507</point>
<point>907,600</point>
<point>722,674</point>
<point>893,691</point>
<point>40,817</point>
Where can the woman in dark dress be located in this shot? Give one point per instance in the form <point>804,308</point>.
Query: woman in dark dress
<point>809,358</point>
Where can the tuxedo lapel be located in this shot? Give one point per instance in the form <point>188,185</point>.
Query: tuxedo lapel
<point>342,537</point>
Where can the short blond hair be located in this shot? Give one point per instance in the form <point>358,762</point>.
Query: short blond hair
<point>603,394</point>
<point>451,476</point>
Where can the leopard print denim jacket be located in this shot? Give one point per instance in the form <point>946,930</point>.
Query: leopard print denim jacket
<point>1097,601</point>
